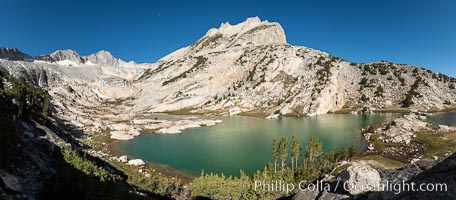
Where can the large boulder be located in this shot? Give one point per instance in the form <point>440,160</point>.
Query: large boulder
<point>136,162</point>
<point>325,195</point>
<point>123,159</point>
<point>360,178</point>
<point>11,182</point>
<point>317,195</point>
<point>306,195</point>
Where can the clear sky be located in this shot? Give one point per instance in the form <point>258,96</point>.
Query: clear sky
<point>403,31</point>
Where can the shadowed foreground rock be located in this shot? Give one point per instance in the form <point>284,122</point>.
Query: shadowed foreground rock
<point>418,173</point>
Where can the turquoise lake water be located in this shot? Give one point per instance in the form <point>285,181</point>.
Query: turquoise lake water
<point>448,119</point>
<point>244,142</point>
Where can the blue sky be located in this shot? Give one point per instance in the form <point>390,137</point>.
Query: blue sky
<point>414,32</point>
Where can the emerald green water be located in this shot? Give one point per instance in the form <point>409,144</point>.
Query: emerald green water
<point>448,118</point>
<point>244,142</point>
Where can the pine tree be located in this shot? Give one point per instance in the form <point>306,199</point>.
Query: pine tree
<point>46,106</point>
<point>295,151</point>
<point>283,148</point>
<point>352,151</point>
<point>275,154</point>
<point>313,149</point>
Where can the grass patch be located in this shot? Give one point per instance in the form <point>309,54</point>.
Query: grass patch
<point>399,110</point>
<point>185,111</point>
<point>435,144</point>
<point>378,161</point>
<point>101,140</point>
<point>200,62</point>
<point>450,109</point>
<point>254,114</point>
<point>148,131</point>
<point>339,169</point>
<point>379,145</point>
<point>154,183</point>
<point>344,111</point>
<point>117,102</point>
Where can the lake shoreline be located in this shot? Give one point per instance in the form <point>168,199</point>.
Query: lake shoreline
<point>239,128</point>
<point>171,172</point>
<point>160,168</point>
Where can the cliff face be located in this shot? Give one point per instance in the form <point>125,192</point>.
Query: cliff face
<point>248,65</point>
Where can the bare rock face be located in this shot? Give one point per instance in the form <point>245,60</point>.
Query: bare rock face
<point>318,195</point>
<point>13,54</point>
<point>136,162</point>
<point>252,32</point>
<point>360,178</point>
<point>10,181</point>
<point>123,159</point>
<point>103,58</point>
<point>70,55</point>
<point>306,195</point>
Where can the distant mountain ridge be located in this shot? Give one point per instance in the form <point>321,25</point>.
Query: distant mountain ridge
<point>65,57</point>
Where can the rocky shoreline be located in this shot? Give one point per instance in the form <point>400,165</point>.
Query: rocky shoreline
<point>395,139</point>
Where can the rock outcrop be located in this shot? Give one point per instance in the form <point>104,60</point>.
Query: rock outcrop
<point>360,178</point>
<point>103,58</point>
<point>67,57</point>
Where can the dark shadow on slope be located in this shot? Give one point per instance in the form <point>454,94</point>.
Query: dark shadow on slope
<point>442,173</point>
<point>70,183</point>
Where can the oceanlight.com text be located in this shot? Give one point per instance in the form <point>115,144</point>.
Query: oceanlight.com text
<point>396,188</point>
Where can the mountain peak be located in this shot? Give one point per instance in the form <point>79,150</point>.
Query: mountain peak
<point>67,54</point>
<point>251,32</point>
<point>103,57</point>
<point>13,54</point>
<point>228,29</point>
<point>249,26</point>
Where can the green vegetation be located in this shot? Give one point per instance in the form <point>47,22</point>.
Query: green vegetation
<point>252,72</point>
<point>370,69</point>
<point>216,186</point>
<point>283,152</point>
<point>379,91</point>
<point>435,145</point>
<point>117,101</point>
<point>211,39</point>
<point>241,59</point>
<point>79,178</point>
<point>153,184</point>
<point>363,81</point>
<point>399,77</point>
<point>314,165</point>
<point>408,101</point>
<point>379,161</point>
<point>149,72</point>
<point>295,152</point>
<point>258,28</point>
<point>364,98</point>
<point>324,74</point>
<point>200,62</point>
<point>415,71</point>
<point>9,138</point>
<point>18,100</point>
